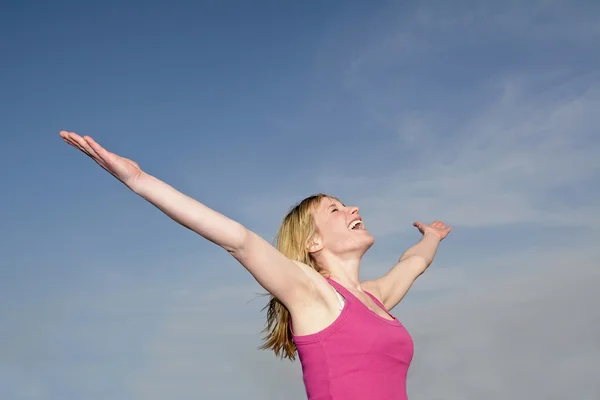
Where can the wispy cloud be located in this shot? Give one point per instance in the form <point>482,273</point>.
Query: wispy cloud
<point>471,132</point>
<point>482,114</point>
<point>505,165</point>
<point>506,147</point>
<point>525,329</point>
<point>524,335</point>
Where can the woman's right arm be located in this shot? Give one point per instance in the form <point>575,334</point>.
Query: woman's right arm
<point>190,213</point>
<point>283,278</point>
<point>279,275</point>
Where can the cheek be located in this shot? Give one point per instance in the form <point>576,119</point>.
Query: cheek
<point>334,231</point>
<point>338,233</point>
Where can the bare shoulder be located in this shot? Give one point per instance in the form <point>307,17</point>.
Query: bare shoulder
<point>318,307</point>
<point>318,293</point>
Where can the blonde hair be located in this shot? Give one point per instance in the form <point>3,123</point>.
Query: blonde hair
<point>292,240</point>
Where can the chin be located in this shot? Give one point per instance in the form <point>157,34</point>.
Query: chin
<point>365,248</point>
<point>369,240</point>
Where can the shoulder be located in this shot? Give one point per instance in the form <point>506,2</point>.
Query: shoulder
<point>318,291</point>
<point>313,276</point>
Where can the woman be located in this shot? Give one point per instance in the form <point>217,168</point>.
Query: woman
<point>349,346</point>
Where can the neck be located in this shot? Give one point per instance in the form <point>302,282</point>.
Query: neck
<point>343,271</point>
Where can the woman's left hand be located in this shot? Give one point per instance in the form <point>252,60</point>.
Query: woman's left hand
<point>437,227</point>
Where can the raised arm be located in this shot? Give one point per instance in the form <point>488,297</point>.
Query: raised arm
<point>393,286</point>
<point>282,277</point>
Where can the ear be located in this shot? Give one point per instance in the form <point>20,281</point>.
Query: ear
<point>315,244</point>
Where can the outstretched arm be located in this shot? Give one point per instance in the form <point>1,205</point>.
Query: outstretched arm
<point>393,286</point>
<point>427,247</point>
<point>282,277</point>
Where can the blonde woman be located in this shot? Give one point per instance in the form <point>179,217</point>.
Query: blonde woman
<point>349,345</point>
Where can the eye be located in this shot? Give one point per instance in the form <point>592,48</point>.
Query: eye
<point>334,210</point>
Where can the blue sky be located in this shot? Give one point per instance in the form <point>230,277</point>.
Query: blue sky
<point>481,114</point>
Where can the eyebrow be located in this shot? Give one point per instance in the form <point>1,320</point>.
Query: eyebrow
<point>335,205</point>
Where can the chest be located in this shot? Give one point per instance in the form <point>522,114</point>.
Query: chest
<point>373,335</point>
<point>369,304</point>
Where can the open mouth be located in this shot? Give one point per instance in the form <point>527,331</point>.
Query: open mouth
<point>356,225</point>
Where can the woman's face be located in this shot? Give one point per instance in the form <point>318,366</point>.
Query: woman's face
<point>340,229</point>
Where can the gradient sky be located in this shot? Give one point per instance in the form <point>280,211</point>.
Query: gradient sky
<point>482,114</point>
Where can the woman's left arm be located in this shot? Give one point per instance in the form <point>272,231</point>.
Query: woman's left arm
<point>393,286</point>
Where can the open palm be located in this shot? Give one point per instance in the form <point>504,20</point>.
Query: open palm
<point>437,227</point>
<point>123,169</point>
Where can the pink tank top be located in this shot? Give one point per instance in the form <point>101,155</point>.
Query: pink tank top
<point>359,356</point>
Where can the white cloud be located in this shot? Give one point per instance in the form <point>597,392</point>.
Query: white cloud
<point>529,330</point>
<point>499,167</point>
<point>502,166</point>
<point>498,149</point>
<point>208,348</point>
<point>519,147</point>
<point>529,335</point>
<point>502,150</point>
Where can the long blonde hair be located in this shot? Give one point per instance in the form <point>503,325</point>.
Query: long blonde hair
<point>296,230</point>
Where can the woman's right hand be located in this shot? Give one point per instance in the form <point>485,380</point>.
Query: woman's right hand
<point>123,169</point>
<point>289,281</point>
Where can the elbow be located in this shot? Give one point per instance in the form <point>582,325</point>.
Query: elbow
<point>416,265</point>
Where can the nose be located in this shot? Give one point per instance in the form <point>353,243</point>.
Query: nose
<point>354,210</point>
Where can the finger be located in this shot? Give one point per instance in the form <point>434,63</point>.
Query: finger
<point>83,146</point>
<point>107,159</point>
<point>68,138</point>
<point>104,155</point>
<point>83,143</point>
<point>92,153</point>
<point>68,141</point>
<point>73,136</point>
<point>73,143</point>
